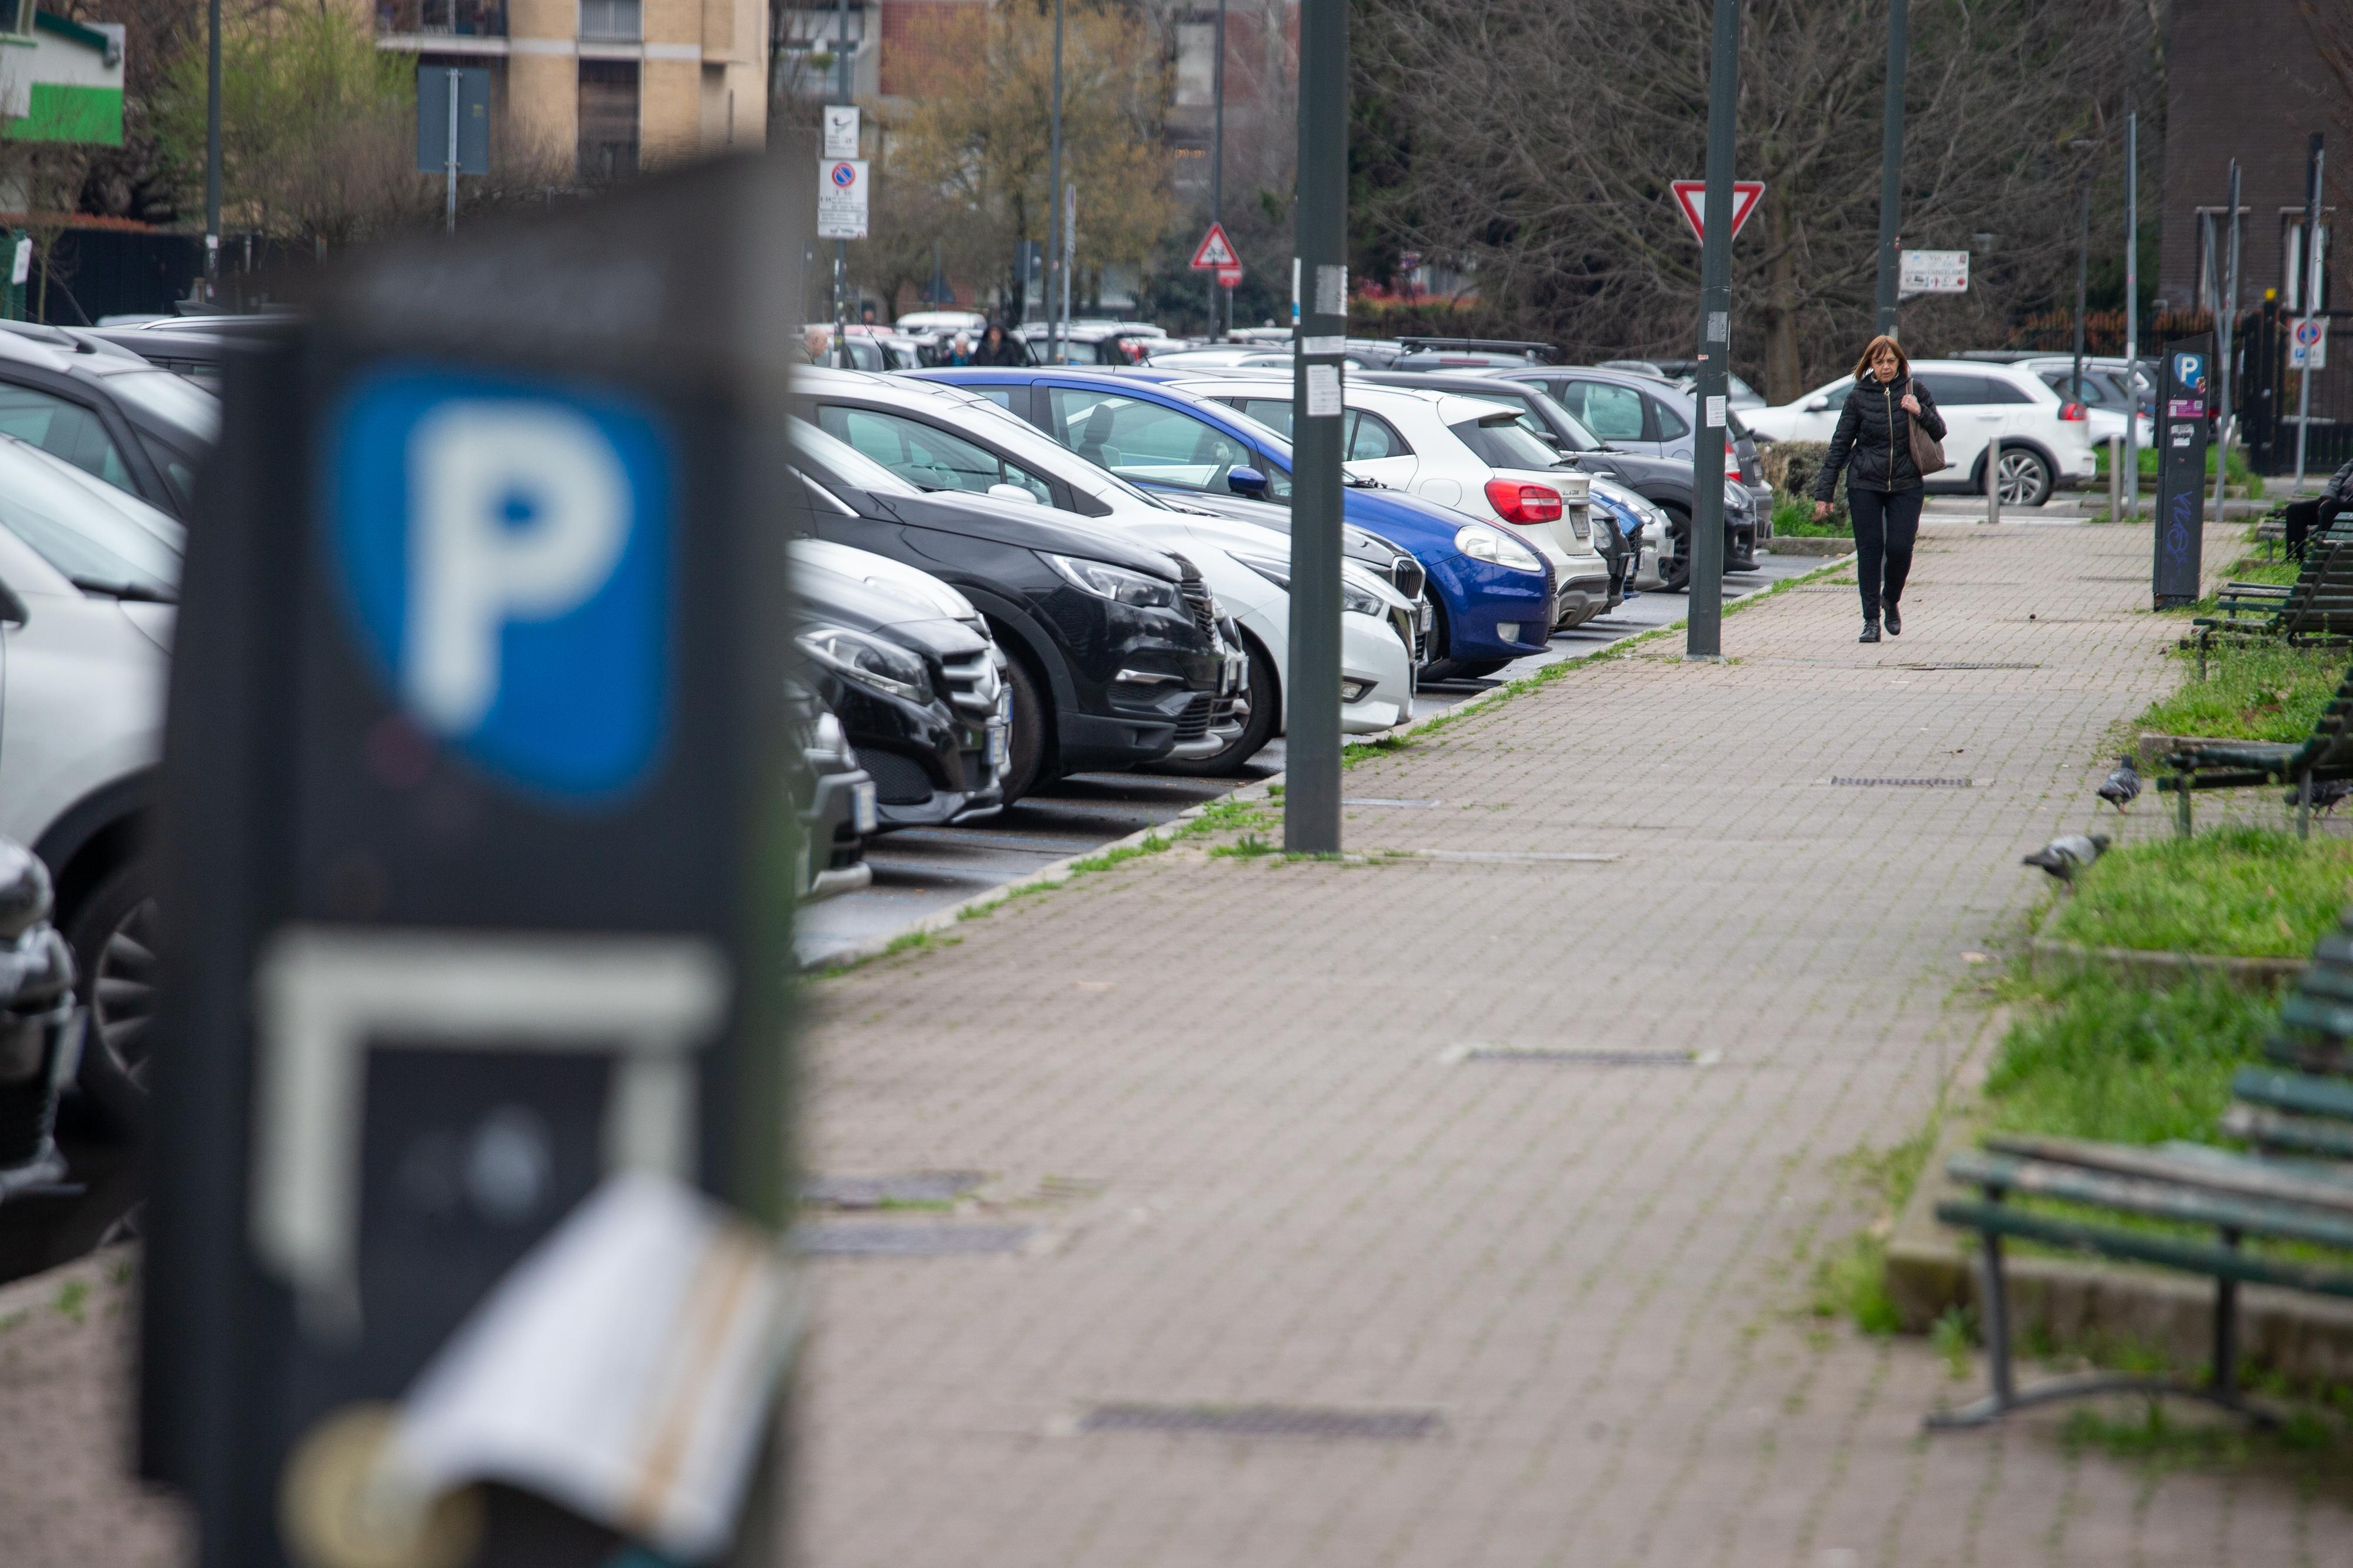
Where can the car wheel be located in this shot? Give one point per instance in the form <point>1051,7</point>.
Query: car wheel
<point>2025,478</point>
<point>1025,747</point>
<point>112,934</point>
<point>1258,729</point>
<point>1476,669</point>
<point>1674,575</point>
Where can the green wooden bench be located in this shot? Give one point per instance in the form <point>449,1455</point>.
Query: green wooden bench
<point>2295,1185</point>
<point>2315,611</point>
<point>2325,756</point>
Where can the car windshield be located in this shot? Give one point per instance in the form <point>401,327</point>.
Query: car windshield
<point>171,400</point>
<point>98,537</point>
<point>1038,450</point>
<point>1566,427</point>
<point>846,462</point>
<point>1501,441</point>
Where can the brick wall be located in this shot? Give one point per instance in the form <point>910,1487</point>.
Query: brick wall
<point>926,43</point>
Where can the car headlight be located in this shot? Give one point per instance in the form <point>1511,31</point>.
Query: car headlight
<point>1116,583</point>
<point>867,660</point>
<point>1481,542</point>
<point>1354,597</point>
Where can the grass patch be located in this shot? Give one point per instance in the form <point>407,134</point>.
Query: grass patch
<point>1851,1282</point>
<point>2261,691</point>
<point>73,1299</point>
<point>1248,847</point>
<point>2253,892</point>
<point>2096,1057</point>
<point>2241,476</point>
<point>1793,517</point>
<point>2157,1442</point>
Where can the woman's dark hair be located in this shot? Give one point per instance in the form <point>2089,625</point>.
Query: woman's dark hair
<point>995,330</point>
<point>1870,351</point>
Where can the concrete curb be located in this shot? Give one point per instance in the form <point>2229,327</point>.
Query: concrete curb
<point>2048,956</point>
<point>1812,545</point>
<point>1931,1267</point>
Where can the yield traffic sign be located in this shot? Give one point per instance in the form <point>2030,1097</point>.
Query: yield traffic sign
<point>1691,197</point>
<point>1216,252</point>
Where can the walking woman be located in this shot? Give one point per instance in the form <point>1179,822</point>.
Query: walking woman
<point>1883,481</point>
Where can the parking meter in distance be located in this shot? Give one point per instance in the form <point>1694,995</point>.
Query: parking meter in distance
<point>2181,471</point>
<point>471,1146</point>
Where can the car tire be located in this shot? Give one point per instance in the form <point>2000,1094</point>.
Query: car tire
<point>1476,669</point>
<point>1676,577</point>
<point>1266,709</point>
<point>2025,477</point>
<point>1025,747</point>
<point>111,930</point>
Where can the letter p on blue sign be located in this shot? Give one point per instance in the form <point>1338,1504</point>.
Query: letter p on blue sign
<point>504,548</point>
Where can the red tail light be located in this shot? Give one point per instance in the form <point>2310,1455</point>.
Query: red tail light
<point>2071,411</point>
<point>1516,502</point>
<point>1731,453</point>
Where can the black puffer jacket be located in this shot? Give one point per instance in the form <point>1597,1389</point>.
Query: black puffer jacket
<point>1875,436</point>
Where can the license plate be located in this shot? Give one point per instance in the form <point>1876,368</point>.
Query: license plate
<point>865,815</point>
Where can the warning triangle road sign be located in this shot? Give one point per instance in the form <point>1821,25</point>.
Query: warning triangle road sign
<point>1692,197</point>
<point>1215,251</point>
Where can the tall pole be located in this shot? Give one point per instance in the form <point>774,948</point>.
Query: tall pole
<point>842,247</point>
<point>1218,161</point>
<point>1054,242</point>
<point>1703,637</point>
<point>2082,276</point>
<point>449,170</point>
<point>1311,798</point>
<point>1891,161</point>
<point>2308,295</point>
<point>2226,321</point>
<point>212,150</point>
<point>2132,313</point>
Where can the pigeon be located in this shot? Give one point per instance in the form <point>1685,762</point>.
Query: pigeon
<point>2327,796</point>
<point>2122,787</point>
<point>2065,856</point>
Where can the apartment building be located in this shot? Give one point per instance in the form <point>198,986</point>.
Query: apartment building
<point>603,87</point>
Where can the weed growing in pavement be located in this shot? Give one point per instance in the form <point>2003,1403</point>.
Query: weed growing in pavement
<point>1951,1336</point>
<point>1152,844</point>
<point>1250,846</point>
<point>2253,892</point>
<point>2159,1443</point>
<point>9,1323</point>
<point>73,1298</point>
<point>1851,1282</point>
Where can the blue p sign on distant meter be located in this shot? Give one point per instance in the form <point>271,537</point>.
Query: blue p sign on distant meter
<point>505,546</point>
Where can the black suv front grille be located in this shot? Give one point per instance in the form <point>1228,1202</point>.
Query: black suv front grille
<point>1196,599</point>
<point>1194,722</point>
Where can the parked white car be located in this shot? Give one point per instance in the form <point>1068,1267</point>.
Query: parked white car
<point>947,437</point>
<point>1468,453</point>
<point>2045,441</point>
<point>89,585</point>
<point>2108,392</point>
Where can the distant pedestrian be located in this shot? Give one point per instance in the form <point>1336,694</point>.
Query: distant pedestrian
<point>960,350</point>
<point>998,347</point>
<point>1884,484</point>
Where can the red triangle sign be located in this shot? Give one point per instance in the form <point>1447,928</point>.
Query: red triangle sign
<point>1691,195</point>
<point>1215,251</point>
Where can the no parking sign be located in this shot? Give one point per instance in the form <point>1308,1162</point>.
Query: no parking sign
<point>2307,347</point>
<point>841,198</point>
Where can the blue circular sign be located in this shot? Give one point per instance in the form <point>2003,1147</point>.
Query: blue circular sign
<point>844,176</point>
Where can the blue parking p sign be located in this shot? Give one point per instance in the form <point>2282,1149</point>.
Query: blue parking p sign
<point>504,546</point>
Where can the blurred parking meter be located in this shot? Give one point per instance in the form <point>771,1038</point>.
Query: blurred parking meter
<point>471,1159</point>
<point>2180,519</point>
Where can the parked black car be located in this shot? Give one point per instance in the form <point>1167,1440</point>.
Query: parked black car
<point>1113,656</point>
<point>833,797</point>
<point>916,692</point>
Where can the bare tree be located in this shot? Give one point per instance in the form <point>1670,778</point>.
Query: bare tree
<point>1533,148</point>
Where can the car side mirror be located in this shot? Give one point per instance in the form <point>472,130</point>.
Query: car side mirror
<point>1012,492</point>
<point>1247,482</point>
<point>1817,405</point>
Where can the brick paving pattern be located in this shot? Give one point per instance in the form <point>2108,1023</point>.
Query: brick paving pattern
<point>1234,1100</point>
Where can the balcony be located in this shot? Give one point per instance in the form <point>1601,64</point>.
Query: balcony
<point>454,19</point>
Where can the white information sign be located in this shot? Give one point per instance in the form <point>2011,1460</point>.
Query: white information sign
<point>1932,273</point>
<point>20,268</point>
<point>1715,413</point>
<point>1322,390</point>
<point>841,198</point>
<point>841,130</point>
<point>2309,349</point>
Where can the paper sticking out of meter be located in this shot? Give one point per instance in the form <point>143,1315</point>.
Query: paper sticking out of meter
<point>625,1369</point>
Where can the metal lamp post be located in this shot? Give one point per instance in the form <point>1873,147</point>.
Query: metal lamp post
<point>1703,636</point>
<point>1890,164</point>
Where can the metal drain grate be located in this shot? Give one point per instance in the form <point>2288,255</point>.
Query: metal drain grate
<point>882,1240</point>
<point>1541,1056</point>
<point>1827,588</point>
<point>1266,1421</point>
<point>1906,784</point>
<point>881,1192</point>
<point>1959,664</point>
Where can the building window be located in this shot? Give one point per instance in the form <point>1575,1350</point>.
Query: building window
<point>1196,64</point>
<point>612,20</point>
<point>2292,262</point>
<point>16,17</point>
<point>609,118</point>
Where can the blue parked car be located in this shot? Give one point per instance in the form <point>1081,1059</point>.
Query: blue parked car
<point>1493,595</point>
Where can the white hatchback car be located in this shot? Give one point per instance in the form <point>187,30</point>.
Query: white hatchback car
<point>1467,453</point>
<point>940,436</point>
<point>2045,440</point>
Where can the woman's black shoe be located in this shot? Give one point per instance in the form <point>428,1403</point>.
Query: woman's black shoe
<point>1870,632</point>
<point>1895,621</point>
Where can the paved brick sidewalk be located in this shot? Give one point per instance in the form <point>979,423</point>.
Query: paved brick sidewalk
<point>1268,1175</point>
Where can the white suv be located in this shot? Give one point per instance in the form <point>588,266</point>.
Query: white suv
<point>2045,440</point>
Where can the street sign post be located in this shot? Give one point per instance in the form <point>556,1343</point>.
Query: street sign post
<point>1311,802</point>
<point>1932,273</point>
<point>840,131</point>
<point>1691,198</point>
<point>841,198</point>
<point>453,127</point>
<point>2182,471</point>
<point>2309,349</point>
<point>475,888</point>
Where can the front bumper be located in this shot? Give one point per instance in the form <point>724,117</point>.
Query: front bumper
<point>842,812</point>
<point>1227,709</point>
<point>1478,596</point>
<point>1373,659</point>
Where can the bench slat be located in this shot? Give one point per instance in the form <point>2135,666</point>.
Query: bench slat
<point>2186,1196</point>
<point>2299,1092</point>
<point>2228,1172</point>
<point>2284,1130</point>
<point>2209,1259</point>
<point>2321,1015</point>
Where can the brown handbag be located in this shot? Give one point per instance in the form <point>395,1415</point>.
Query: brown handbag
<point>1927,452</point>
